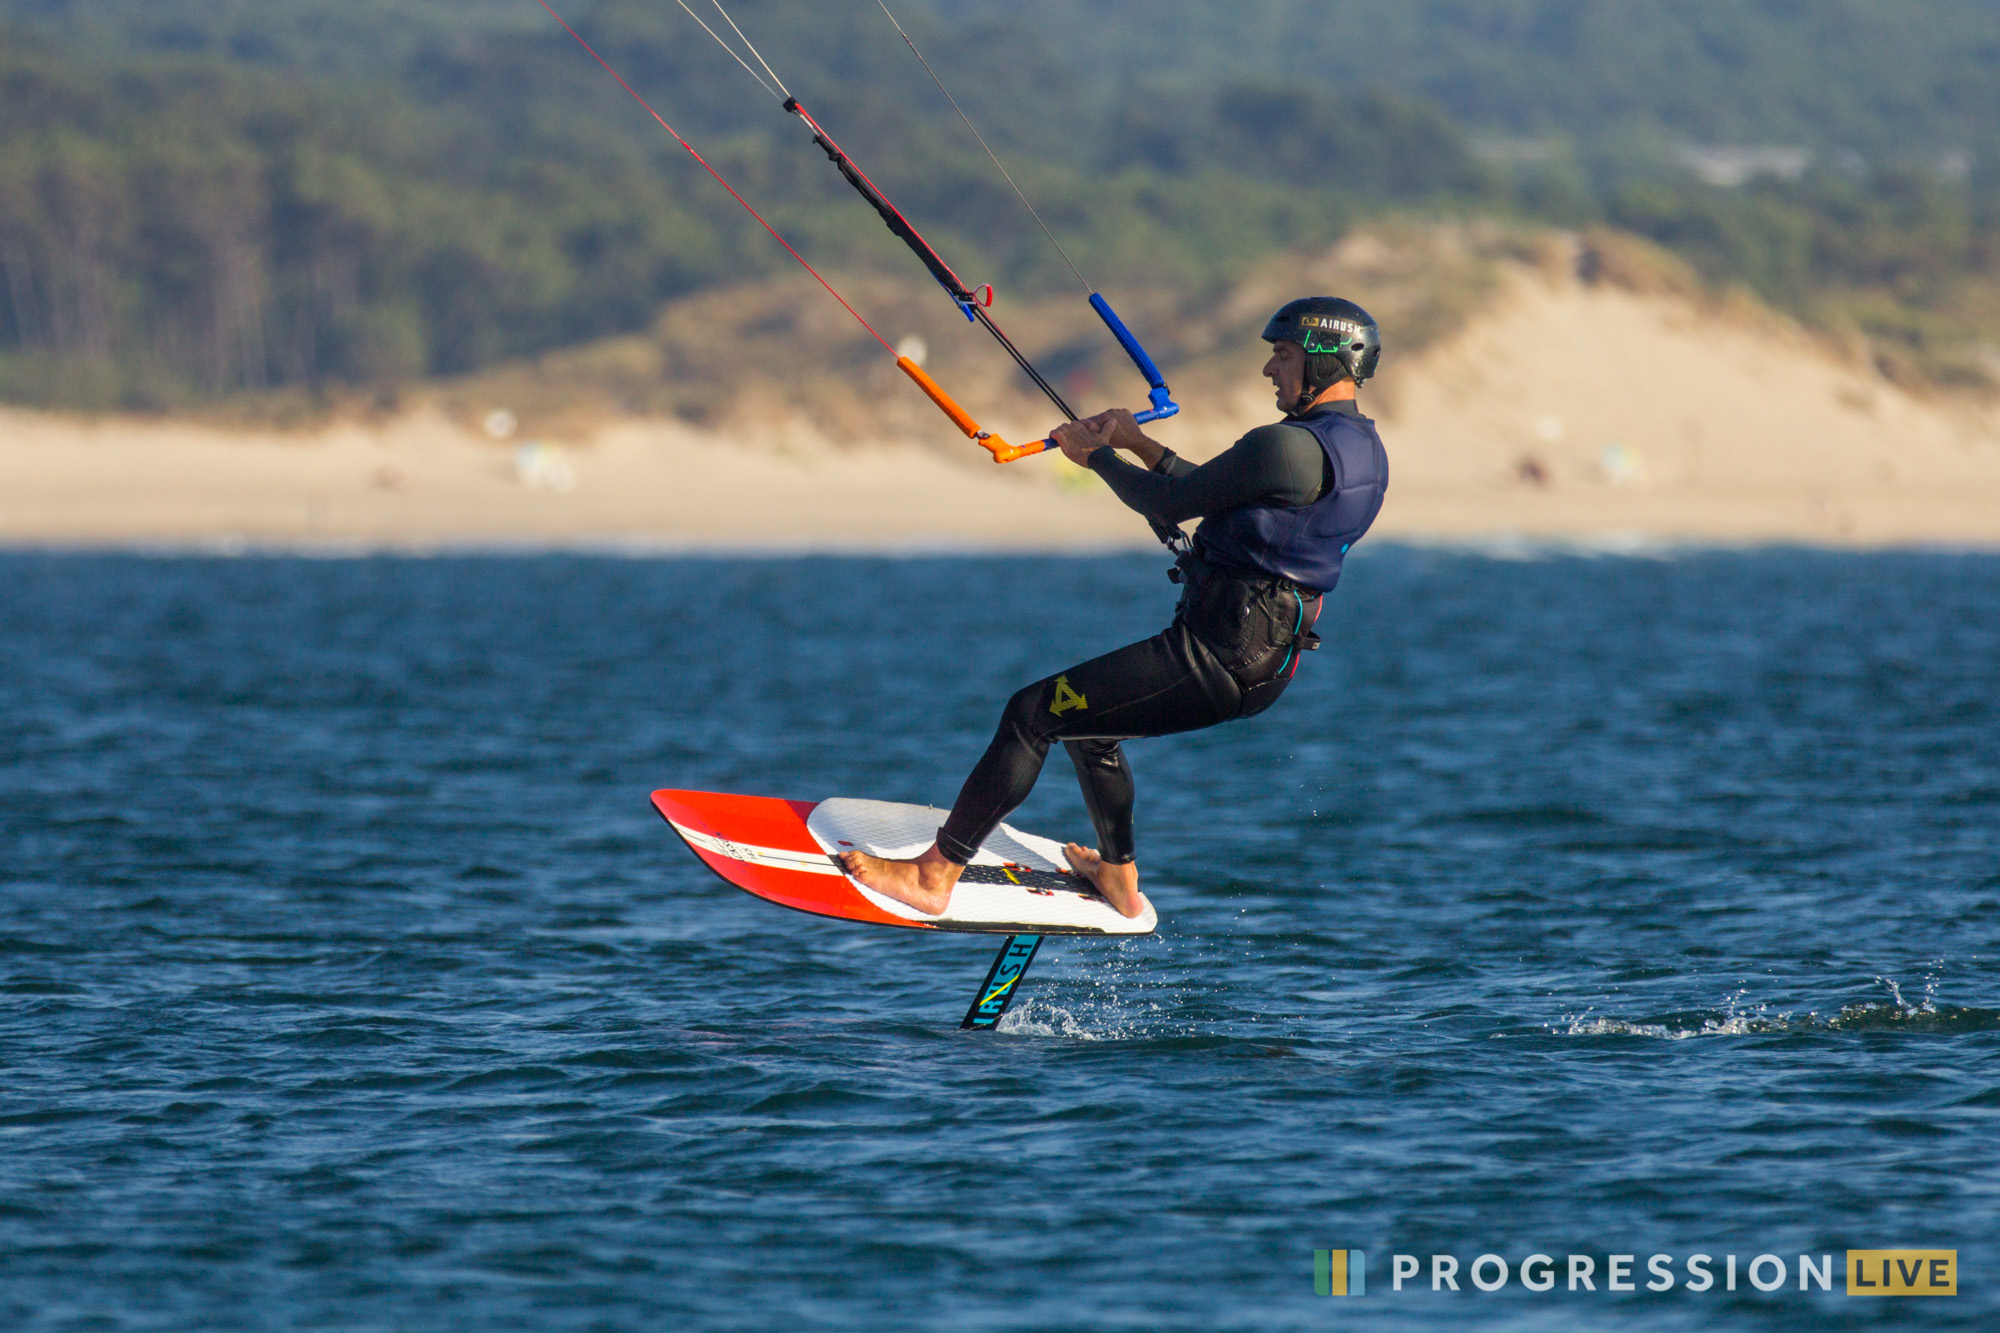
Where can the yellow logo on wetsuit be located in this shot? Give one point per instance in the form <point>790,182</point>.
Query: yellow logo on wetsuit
<point>1066,698</point>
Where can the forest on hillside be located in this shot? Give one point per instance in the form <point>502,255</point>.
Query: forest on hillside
<point>1881,81</point>
<point>205,198</point>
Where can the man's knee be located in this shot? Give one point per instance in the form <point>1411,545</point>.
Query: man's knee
<point>1095,752</point>
<point>1025,716</point>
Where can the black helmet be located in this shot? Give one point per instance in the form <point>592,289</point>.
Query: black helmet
<point>1339,338</point>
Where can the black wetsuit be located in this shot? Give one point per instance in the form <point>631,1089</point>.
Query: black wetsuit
<point>1231,650</point>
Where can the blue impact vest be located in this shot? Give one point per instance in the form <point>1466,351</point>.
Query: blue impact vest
<point>1307,544</point>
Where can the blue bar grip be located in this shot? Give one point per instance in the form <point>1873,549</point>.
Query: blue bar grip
<point>1163,406</point>
<point>1163,402</point>
<point>1127,341</point>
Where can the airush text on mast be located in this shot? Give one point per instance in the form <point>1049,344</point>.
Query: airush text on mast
<point>975,303</point>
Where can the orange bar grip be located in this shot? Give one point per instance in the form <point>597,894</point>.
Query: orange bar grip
<point>1007,453</point>
<point>1002,451</point>
<point>959,416</point>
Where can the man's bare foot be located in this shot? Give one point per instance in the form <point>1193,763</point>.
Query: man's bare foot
<point>1119,884</point>
<point>924,883</point>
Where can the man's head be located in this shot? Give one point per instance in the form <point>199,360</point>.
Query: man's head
<point>1317,342</point>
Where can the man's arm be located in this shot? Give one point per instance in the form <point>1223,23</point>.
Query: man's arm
<point>1280,464</point>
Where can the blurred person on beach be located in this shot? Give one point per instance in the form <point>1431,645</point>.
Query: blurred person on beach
<point>1279,511</point>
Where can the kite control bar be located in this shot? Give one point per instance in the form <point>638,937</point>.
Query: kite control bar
<point>1163,401</point>
<point>1002,451</point>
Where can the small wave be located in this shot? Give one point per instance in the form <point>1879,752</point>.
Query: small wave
<point>1925,1015</point>
<point>1896,1014</point>
<point>1036,1017</point>
<point>1945,1018</point>
<point>1720,1025</point>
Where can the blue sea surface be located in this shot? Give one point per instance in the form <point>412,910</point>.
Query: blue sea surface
<point>1567,905</point>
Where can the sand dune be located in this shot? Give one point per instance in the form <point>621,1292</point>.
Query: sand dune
<point>1564,411</point>
<point>1573,411</point>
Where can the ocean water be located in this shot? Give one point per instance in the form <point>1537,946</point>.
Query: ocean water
<point>1566,905</point>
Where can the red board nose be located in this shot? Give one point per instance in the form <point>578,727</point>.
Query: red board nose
<point>762,846</point>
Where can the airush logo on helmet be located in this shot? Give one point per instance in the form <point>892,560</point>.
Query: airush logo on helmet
<point>1324,333</point>
<point>1330,329</point>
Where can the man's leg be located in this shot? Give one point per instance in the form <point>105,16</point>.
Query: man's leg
<point>1160,685</point>
<point>1105,775</point>
<point>1164,684</point>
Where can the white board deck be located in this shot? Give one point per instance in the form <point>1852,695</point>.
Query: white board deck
<point>1017,882</point>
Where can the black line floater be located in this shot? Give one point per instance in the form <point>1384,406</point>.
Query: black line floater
<point>973,305</point>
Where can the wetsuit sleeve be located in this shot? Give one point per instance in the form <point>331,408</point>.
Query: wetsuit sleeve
<point>1281,464</point>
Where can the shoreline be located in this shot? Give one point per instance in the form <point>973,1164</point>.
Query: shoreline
<point>1602,440</point>
<point>1492,546</point>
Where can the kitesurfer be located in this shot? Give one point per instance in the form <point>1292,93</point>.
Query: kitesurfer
<point>1279,511</point>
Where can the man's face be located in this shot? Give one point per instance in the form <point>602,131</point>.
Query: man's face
<point>1287,370</point>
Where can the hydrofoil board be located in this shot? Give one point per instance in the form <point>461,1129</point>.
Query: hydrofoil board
<point>782,851</point>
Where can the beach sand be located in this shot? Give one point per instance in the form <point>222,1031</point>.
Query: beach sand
<point>1565,412</point>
